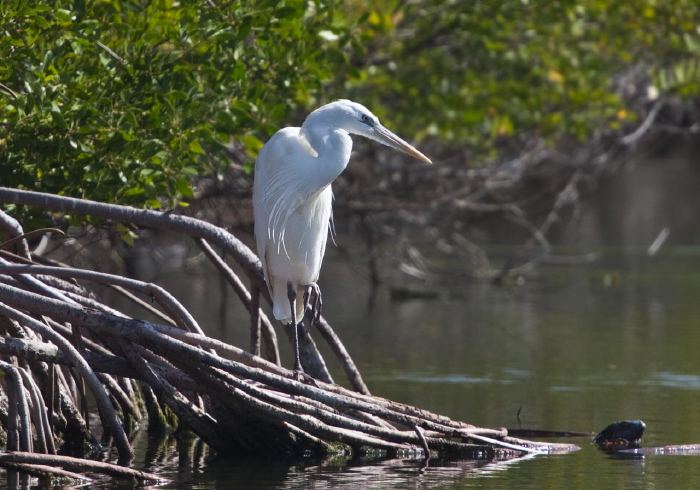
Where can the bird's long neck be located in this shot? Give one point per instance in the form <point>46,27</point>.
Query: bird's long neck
<point>332,147</point>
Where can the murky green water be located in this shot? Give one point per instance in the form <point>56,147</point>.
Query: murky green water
<point>572,348</point>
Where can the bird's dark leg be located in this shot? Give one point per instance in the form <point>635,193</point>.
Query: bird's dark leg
<point>312,299</point>
<point>254,320</point>
<point>292,295</point>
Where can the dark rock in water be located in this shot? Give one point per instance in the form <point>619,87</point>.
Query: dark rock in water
<point>623,433</point>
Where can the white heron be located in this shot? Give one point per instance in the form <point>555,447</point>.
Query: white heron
<point>292,200</point>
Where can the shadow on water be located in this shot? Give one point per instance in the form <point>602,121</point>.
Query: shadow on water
<point>572,348</point>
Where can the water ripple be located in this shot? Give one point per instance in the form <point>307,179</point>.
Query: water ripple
<point>674,380</point>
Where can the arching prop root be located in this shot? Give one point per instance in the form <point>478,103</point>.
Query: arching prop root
<point>57,335</point>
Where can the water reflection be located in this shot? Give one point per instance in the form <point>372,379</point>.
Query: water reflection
<point>361,472</point>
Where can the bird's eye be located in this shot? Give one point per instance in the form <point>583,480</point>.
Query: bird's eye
<point>365,118</point>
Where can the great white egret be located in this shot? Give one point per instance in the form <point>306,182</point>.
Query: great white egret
<point>292,200</point>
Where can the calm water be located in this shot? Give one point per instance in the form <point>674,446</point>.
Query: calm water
<point>571,347</point>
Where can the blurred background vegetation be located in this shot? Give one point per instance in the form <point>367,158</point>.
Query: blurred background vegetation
<point>471,72</point>
<point>126,100</point>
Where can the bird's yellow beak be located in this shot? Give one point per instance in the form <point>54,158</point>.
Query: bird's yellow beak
<point>385,136</point>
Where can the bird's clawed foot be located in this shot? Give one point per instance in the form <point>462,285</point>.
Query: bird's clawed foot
<point>313,302</point>
<point>302,377</point>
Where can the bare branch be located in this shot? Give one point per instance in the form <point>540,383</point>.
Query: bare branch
<point>12,227</point>
<point>80,465</point>
<point>182,316</point>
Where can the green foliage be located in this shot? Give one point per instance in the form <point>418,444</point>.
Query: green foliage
<point>479,72</point>
<point>125,100</point>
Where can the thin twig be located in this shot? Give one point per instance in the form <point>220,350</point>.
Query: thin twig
<point>632,138</point>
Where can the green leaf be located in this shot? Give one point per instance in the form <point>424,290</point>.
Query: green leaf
<point>126,234</point>
<point>184,188</point>
<point>59,120</point>
<point>195,147</point>
<point>41,22</point>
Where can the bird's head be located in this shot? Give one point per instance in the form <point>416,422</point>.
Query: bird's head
<point>357,119</point>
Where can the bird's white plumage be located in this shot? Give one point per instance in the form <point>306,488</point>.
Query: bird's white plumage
<point>291,218</point>
<point>292,194</point>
